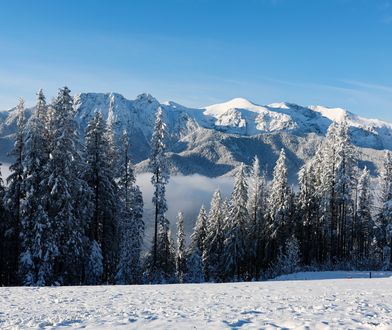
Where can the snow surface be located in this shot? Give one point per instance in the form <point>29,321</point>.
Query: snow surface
<point>315,304</point>
<point>332,275</point>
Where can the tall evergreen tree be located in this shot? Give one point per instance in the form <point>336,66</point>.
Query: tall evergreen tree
<point>309,213</point>
<point>160,178</point>
<point>384,218</point>
<point>327,191</point>
<point>131,225</point>
<point>256,209</point>
<point>195,266</point>
<point>103,226</point>
<point>363,222</point>
<point>65,188</point>
<point>181,249</point>
<point>213,257</point>
<point>345,186</point>
<point>5,277</point>
<point>198,236</point>
<point>236,229</point>
<point>112,151</point>
<point>38,251</point>
<point>14,196</point>
<point>278,208</point>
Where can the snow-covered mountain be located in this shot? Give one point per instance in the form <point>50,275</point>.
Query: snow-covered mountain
<point>213,140</point>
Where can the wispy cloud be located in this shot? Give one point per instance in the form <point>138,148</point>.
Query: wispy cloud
<point>366,85</point>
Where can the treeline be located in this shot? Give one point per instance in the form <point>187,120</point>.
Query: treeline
<point>71,212</point>
<point>336,219</point>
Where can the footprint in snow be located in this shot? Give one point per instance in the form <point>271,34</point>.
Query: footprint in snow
<point>237,324</point>
<point>251,312</point>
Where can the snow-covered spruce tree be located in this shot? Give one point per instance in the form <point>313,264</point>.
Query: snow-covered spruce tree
<point>345,186</point>
<point>137,212</point>
<point>198,236</point>
<point>310,232</point>
<point>335,177</point>
<point>94,264</point>
<point>14,196</point>
<point>66,202</point>
<point>160,178</point>
<point>38,251</point>
<point>278,208</point>
<point>256,209</point>
<point>5,276</point>
<point>236,229</point>
<point>328,193</point>
<point>112,151</point>
<point>213,258</point>
<point>363,223</point>
<point>103,227</point>
<point>181,249</point>
<point>131,225</point>
<point>384,218</point>
<point>288,261</point>
<point>165,269</point>
<point>195,267</point>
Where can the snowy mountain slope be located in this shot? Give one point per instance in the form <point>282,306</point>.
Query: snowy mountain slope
<point>316,304</point>
<point>213,140</point>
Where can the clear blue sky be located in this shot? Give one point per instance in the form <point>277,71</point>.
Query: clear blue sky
<point>197,52</point>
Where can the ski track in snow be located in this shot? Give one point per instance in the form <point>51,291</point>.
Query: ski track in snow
<point>315,304</point>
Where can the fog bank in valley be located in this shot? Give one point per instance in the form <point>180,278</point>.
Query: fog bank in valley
<point>185,193</point>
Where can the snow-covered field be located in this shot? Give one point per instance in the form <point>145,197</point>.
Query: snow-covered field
<point>340,303</point>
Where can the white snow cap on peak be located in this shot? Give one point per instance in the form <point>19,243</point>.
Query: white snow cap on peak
<point>334,114</point>
<point>236,103</point>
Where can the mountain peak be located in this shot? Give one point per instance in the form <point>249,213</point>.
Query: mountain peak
<point>236,103</point>
<point>146,97</point>
<point>334,114</point>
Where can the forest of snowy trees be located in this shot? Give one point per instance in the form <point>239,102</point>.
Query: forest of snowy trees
<point>71,212</point>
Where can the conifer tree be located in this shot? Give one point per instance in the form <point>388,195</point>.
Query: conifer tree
<point>308,207</point>
<point>4,271</point>
<point>14,196</point>
<point>384,218</point>
<point>213,258</point>
<point>165,269</point>
<point>160,178</point>
<point>236,229</point>
<point>198,236</point>
<point>256,209</point>
<point>181,249</point>
<point>131,225</point>
<point>66,194</point>
<point>363,222</point>
<point>288,261</point>
<point>112,151</point>
<point>104,228</point>
<point>278,207</point>
<point>38,251</point>
<point>327,190</point>
<point>195,267</point>
<point>345,185</point>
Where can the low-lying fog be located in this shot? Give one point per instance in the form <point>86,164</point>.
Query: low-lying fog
<point>185,193</point>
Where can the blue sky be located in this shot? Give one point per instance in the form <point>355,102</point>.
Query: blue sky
<point>198,52</point>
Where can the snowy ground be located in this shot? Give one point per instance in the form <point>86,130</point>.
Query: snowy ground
<point>343,303</point>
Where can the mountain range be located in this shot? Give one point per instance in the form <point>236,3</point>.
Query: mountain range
<point>213,140</point>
